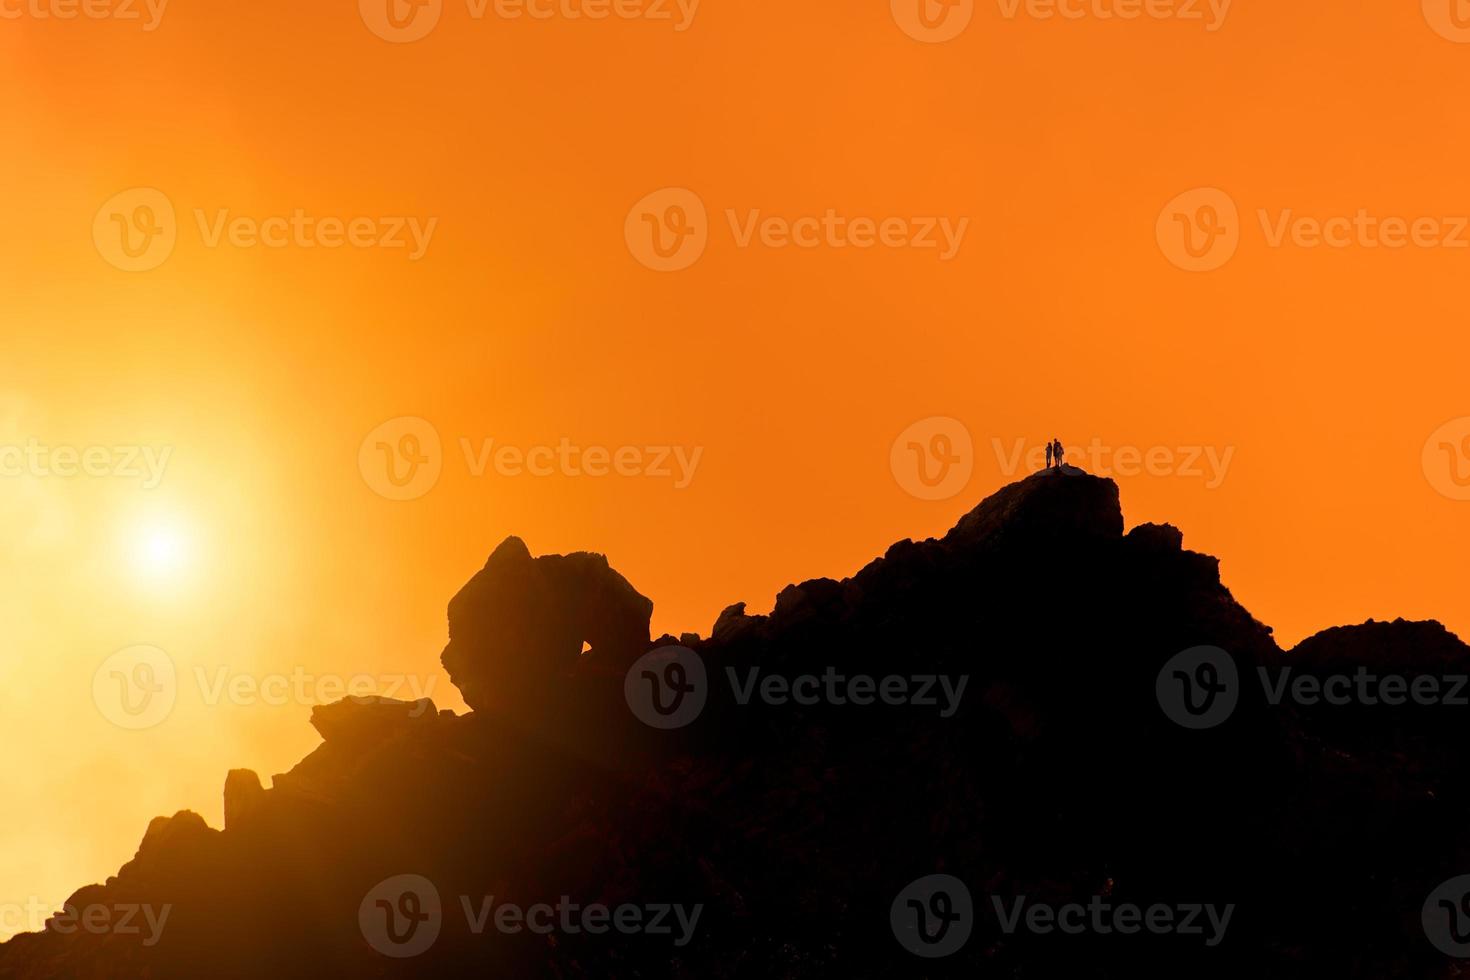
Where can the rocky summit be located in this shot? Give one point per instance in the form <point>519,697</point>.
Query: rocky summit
<point>1037,746</point>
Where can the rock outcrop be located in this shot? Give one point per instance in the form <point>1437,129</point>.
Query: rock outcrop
<point>794,823</point>
<point>521,623</point>
<point>244,797</point>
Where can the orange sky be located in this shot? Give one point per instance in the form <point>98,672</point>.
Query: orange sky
<point>519,147</point>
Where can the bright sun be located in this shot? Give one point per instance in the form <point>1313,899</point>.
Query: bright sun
<point>161,552</point>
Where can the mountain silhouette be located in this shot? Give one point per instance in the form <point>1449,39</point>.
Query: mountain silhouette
<point>1040,762</point>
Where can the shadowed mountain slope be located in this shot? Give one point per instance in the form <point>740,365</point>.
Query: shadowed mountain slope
<point>1045,767</point>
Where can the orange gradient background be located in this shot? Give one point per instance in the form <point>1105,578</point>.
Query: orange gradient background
<point>529,321</point>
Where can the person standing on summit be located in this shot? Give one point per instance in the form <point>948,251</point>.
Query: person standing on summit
<point>1049,447</point>
<point>1058,451</point>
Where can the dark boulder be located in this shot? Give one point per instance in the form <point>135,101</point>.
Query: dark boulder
<point>521,623</point>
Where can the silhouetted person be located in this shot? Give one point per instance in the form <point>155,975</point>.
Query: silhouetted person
<point>1050,447</point>
<point>1058,451</point>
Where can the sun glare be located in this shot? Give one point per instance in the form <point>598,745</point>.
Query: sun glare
<point>161,553</point>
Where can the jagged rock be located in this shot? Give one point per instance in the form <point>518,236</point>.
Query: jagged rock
<point>1043,509</point>
<point>167,842</point>
<point>1377,650</point>
<point>820,598</point>
<point>1158,537</point>
<point>521,622</point>
<point>166,832</point>
<point>795,825</point>
<point>364,721</point>
<point>244,797</point>
<point>1402,645</point>
<point>732,623</point>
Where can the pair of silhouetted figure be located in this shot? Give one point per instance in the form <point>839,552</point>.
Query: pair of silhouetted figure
<point>1055,451</point>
